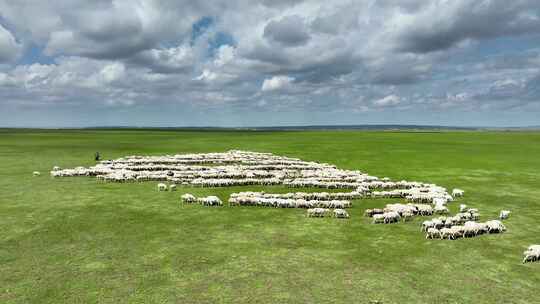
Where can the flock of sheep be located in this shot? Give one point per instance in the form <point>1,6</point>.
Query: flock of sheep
<point>238,168</point>
<point>205,201</point>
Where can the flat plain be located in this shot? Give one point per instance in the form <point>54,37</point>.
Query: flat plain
<point>75,240</point>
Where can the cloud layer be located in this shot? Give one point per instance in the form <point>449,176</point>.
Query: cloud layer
<point>242,62</point>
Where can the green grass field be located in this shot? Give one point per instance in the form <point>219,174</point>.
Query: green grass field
<point>73,240</point>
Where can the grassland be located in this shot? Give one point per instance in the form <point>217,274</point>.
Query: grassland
<point>74,240</point>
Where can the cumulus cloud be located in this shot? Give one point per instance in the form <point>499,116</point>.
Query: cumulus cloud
<point>207,75</point>
<point>276,83</point>
<point>9,48</point>
<point>288,31</point>
<point>113,72</point>
<point>390,100</point>
<point>444,24</point>
<point>168,60</point>
<point>106,32</point>
<point>225,55</point>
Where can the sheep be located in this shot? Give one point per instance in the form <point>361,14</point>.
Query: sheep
<point>475,216</point>
<point>533,248</point>
<point>473,228</point>
<point>463,217</point>
<point>504,214</point>
<point>372,212</point>
<point>36,173</point>
<point>188,198</point>
<point>400,208</point>
<point>427,224</point>
<point>457,192</point>
<point>469,230</point>
<point>424,209</point>
<point>447,233</point>
<point>407,216</point>
<point>368,213</point>
<point>437,223</point>
<point>433,233</point>
<point>162,187</point>
<point>452,220</point>
<point>391,217</point>
<point>440,209</point>
<point>172,187</point>
<point>462,208</point>
<point>56,168</point>
<point>317,212</point>
<point>495,226</point>
<point>341,213</point>
<point>532,254</point>
<point>378,219</point>
<point>457,231</point>
<point>210,201</point>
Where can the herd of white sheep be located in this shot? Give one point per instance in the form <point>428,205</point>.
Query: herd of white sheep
<point>239,168</point>
<point>205,201</point>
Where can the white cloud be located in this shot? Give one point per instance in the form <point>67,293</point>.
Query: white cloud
<point>225,55</point>
<point>167,60</point>
<point>276,83</point>
<point>9,48</point>
<point>113,72</point>
<point>207,75</point>
<point>390,100</point>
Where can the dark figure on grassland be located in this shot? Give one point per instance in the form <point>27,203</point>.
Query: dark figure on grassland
<point>97,156</point>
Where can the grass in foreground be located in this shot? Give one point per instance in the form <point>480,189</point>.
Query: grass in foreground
<point>73,240</point>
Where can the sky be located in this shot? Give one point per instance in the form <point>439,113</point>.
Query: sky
<point>241,63</point>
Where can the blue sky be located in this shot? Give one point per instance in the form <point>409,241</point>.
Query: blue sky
<point>261,63</point>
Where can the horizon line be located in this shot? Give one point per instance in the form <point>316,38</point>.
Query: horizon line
<point>278,127</point>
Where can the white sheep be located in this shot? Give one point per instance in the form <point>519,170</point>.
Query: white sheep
<point>424,209</point>
<point>372,212</point>
<point>378,218</point>
<point>534,247</point>
<point>341,213</point>
<point>462,208</point>
<point>469,231</point>
<point>162,187</point>
<point>532,254</point>
<point>172,187</point>
<point>433,233</point>
<point>437,223</point>
<point>391,217</point>
<point>439,201</point>
<point>36,173</point>
<point>56,168</point>
<point>504,214</point>
<point>457,231</point>
<point>407,216</point>
<point>447,233</point>
<point>440,209</point>
<point>495,226</point>
<point>188,198</point>
<point>457,192</point>
<point>427,224</point>
<point>210,201</point>
<point>317,212</point>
